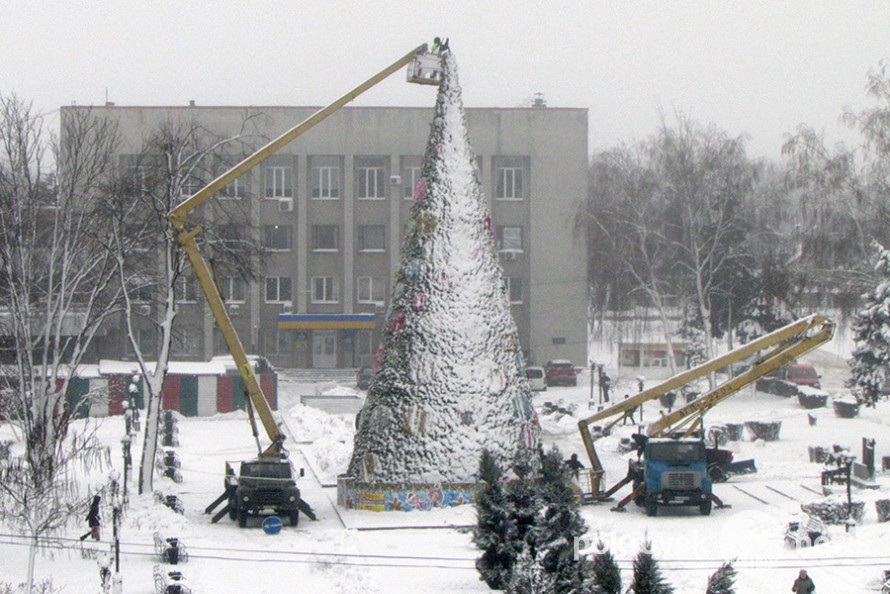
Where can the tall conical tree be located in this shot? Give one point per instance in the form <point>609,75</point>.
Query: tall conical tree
<point>449,381</point>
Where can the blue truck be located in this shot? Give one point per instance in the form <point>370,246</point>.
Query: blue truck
<point>675,472</point>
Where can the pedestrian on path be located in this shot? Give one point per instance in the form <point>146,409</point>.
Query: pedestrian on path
<point>93,519</point>
<point>803,584</point>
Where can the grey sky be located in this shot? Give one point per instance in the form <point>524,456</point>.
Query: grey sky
<point>758,67</point>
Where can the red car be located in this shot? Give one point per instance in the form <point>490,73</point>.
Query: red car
<point>801,374</point>
<point>560,372</point>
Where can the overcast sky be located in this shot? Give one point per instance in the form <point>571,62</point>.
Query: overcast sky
<point>758,67</point>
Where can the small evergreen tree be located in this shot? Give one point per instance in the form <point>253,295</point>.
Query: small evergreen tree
<point>606,576</point>
<point>524,504</point>
<point>647,576</point>
<point>493,526</point>
<point>722,581</point>
<point>558,525</point>
<point>870,363</point>
<point>529,576</point>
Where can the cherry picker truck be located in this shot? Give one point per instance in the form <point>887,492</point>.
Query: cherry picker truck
<point>267,483</point>
<point>674,467</point>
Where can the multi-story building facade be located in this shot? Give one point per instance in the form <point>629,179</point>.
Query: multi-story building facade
<point>333,206</point>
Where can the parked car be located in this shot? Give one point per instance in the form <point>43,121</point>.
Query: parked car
<point>560,372</point>
<point>802,374</point>
<point>363,378</point>
<point>537,379</point>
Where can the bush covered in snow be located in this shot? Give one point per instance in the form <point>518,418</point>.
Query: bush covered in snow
<point>834,511</point>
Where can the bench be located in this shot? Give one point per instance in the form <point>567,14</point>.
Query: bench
<point>799,535</point>
<point>170,550</point>
<point>173,582</point>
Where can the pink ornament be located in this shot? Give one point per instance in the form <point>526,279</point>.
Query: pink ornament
<point>397,322</point>
<point>378,358</point>
<point>419,302</point>
<point>420,189</point>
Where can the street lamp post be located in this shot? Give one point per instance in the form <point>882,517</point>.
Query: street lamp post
<point>126,441</point>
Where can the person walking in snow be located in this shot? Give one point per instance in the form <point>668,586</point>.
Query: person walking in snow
<point>629,413</point>
<point>93,519</point>
<point>803,584</point>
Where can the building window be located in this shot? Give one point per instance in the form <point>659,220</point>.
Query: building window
<point>235,189</point>
<point>188,287</point>
<point>189,186</point>
<point>371,238</point>
<point>277,237</point>
<point>278,289</point>
<point>277,342</point>
<point>279,181</point>
<point>513,286</point>
<point>326,182</point>
<point>509,178</point>
<point>410,176</point>
<point>325,238</point>
<point>142,290</point>
<point>232,289</point>
<point>186,342</point>
<point>231,233</point>
<point>370,183</point>
<point>139,178</point>
<point>324,290</point>
<point>147,341</point>
<point>509,239</point>
<point>364,346</point>
<point>369,289</point>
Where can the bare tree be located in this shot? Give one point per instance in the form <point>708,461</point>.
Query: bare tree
<point>625,215</point>
<point>56,293</point>
<point>705,177</point>
<point>177,159</point>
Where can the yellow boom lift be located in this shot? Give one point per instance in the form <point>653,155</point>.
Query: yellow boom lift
<point>664,476</point>
<point>267,483</point>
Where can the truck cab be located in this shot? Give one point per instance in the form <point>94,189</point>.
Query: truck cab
<point>675,472</point>
<point>265,486</point>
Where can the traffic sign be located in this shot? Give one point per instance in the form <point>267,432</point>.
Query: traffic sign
<point>272,525</point>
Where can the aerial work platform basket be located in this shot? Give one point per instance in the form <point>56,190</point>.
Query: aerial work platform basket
<point>426,69</point>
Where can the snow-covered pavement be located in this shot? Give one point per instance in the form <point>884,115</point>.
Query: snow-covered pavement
<point>356,551</point>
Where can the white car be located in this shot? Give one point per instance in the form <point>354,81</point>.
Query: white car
<point>537,380</point>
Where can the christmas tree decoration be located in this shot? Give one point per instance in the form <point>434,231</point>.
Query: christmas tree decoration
<point>450,381</point>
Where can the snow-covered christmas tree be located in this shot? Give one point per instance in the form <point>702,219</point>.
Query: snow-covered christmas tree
<point>450,379</point>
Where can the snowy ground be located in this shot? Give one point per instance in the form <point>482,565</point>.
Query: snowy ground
<point>350,551</point>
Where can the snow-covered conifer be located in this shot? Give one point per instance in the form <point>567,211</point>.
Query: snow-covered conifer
<point>722,581</point>
<point>558,525</point>
<point>606,575</point>
<point>529,576</point>
<point>647,575</point>
<point>493,526</point>
<point>449,379</point>
<point>870,363</point>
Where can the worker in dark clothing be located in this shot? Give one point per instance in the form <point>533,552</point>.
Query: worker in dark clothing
<point>629,413</point>
<point>605,384</point>
<point>803,584</point>
<point>93,519</point>
<point>574,464</point>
